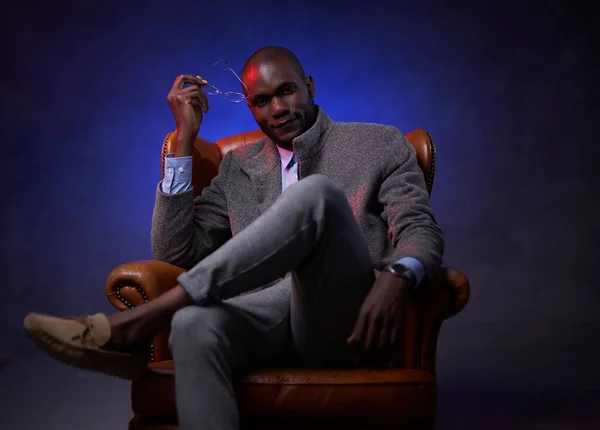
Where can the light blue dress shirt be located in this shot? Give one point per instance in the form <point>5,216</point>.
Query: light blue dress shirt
<point>178,178</point>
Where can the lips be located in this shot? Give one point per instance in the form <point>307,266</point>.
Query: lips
<point>282,124</point>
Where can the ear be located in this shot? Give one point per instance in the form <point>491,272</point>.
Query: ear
<point>310,84</point>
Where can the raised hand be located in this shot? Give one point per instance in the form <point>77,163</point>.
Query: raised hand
<point>188,104</point>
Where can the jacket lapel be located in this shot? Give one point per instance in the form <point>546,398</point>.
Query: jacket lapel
<point>264,168</point>
<point>264,171</point>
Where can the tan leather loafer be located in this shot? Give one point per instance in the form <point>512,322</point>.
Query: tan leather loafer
<point>78,342</point>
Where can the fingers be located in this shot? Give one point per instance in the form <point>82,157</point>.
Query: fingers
<point>364,341</point>
<point>204,101</point>
<point>196,103</point>
<point>359,330</point>
<point>385,347</point>
<point>372,341</point>
<point>188,95</point>
<point>375,341</point>
<point>356,339</point>
<point>382,347</point>
<point>195,93</point>
<point>181,80</point>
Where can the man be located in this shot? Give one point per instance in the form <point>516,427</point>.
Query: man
<point>302,248</point>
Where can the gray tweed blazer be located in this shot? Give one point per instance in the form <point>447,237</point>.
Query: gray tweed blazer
<point>374,164</point>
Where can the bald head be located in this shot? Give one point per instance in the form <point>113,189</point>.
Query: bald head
<point>270,54</point>
<point>279,94</point>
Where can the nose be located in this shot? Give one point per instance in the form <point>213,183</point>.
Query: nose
<point>279,107</point>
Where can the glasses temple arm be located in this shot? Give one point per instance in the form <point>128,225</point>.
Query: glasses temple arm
<point>238,78</point>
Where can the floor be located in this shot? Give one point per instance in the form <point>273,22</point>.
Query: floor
<point>37,393</point>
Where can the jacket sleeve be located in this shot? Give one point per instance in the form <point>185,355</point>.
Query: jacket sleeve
<point>412,226</point>
<point>184,229</point>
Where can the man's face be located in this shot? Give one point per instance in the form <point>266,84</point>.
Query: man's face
<point>280,100</point>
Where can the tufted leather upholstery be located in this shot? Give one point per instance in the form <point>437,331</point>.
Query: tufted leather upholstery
<point>400,398</point>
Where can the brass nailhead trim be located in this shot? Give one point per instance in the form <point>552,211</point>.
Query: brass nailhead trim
<point>432,168</point>
<point>130,305</point>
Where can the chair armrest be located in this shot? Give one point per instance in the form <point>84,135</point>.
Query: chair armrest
<point>133,284</point>
<point>138,282</point>
<point>441,298</point>
<point>454,283</point>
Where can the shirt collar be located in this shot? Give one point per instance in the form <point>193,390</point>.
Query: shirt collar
<point>311,141</point>
<point>286,156</point>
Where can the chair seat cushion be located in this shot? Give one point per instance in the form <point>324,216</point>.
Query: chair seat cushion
<point>392,396</point>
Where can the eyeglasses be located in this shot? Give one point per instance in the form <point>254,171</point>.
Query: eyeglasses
<point>232,96</point>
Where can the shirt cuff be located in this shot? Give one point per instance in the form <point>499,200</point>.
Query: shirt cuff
<point>178,174</point>
<point>415,266</point>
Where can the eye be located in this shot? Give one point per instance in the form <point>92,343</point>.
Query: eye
<point>260,102</point>
<point>289,89</point>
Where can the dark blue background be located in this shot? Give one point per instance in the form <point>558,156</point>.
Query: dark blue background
<point>508,90</point>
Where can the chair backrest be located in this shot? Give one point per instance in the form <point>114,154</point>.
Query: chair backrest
<point>207,155</point>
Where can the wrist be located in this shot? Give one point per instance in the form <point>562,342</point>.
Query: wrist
<point>403,272</point>
<point>185,146</point>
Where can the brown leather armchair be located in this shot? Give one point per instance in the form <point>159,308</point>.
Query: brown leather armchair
<point>398,398</point>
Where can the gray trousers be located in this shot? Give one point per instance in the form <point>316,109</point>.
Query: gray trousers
<point>309,235</point>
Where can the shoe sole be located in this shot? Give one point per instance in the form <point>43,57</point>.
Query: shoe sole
<point>118,365</point>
